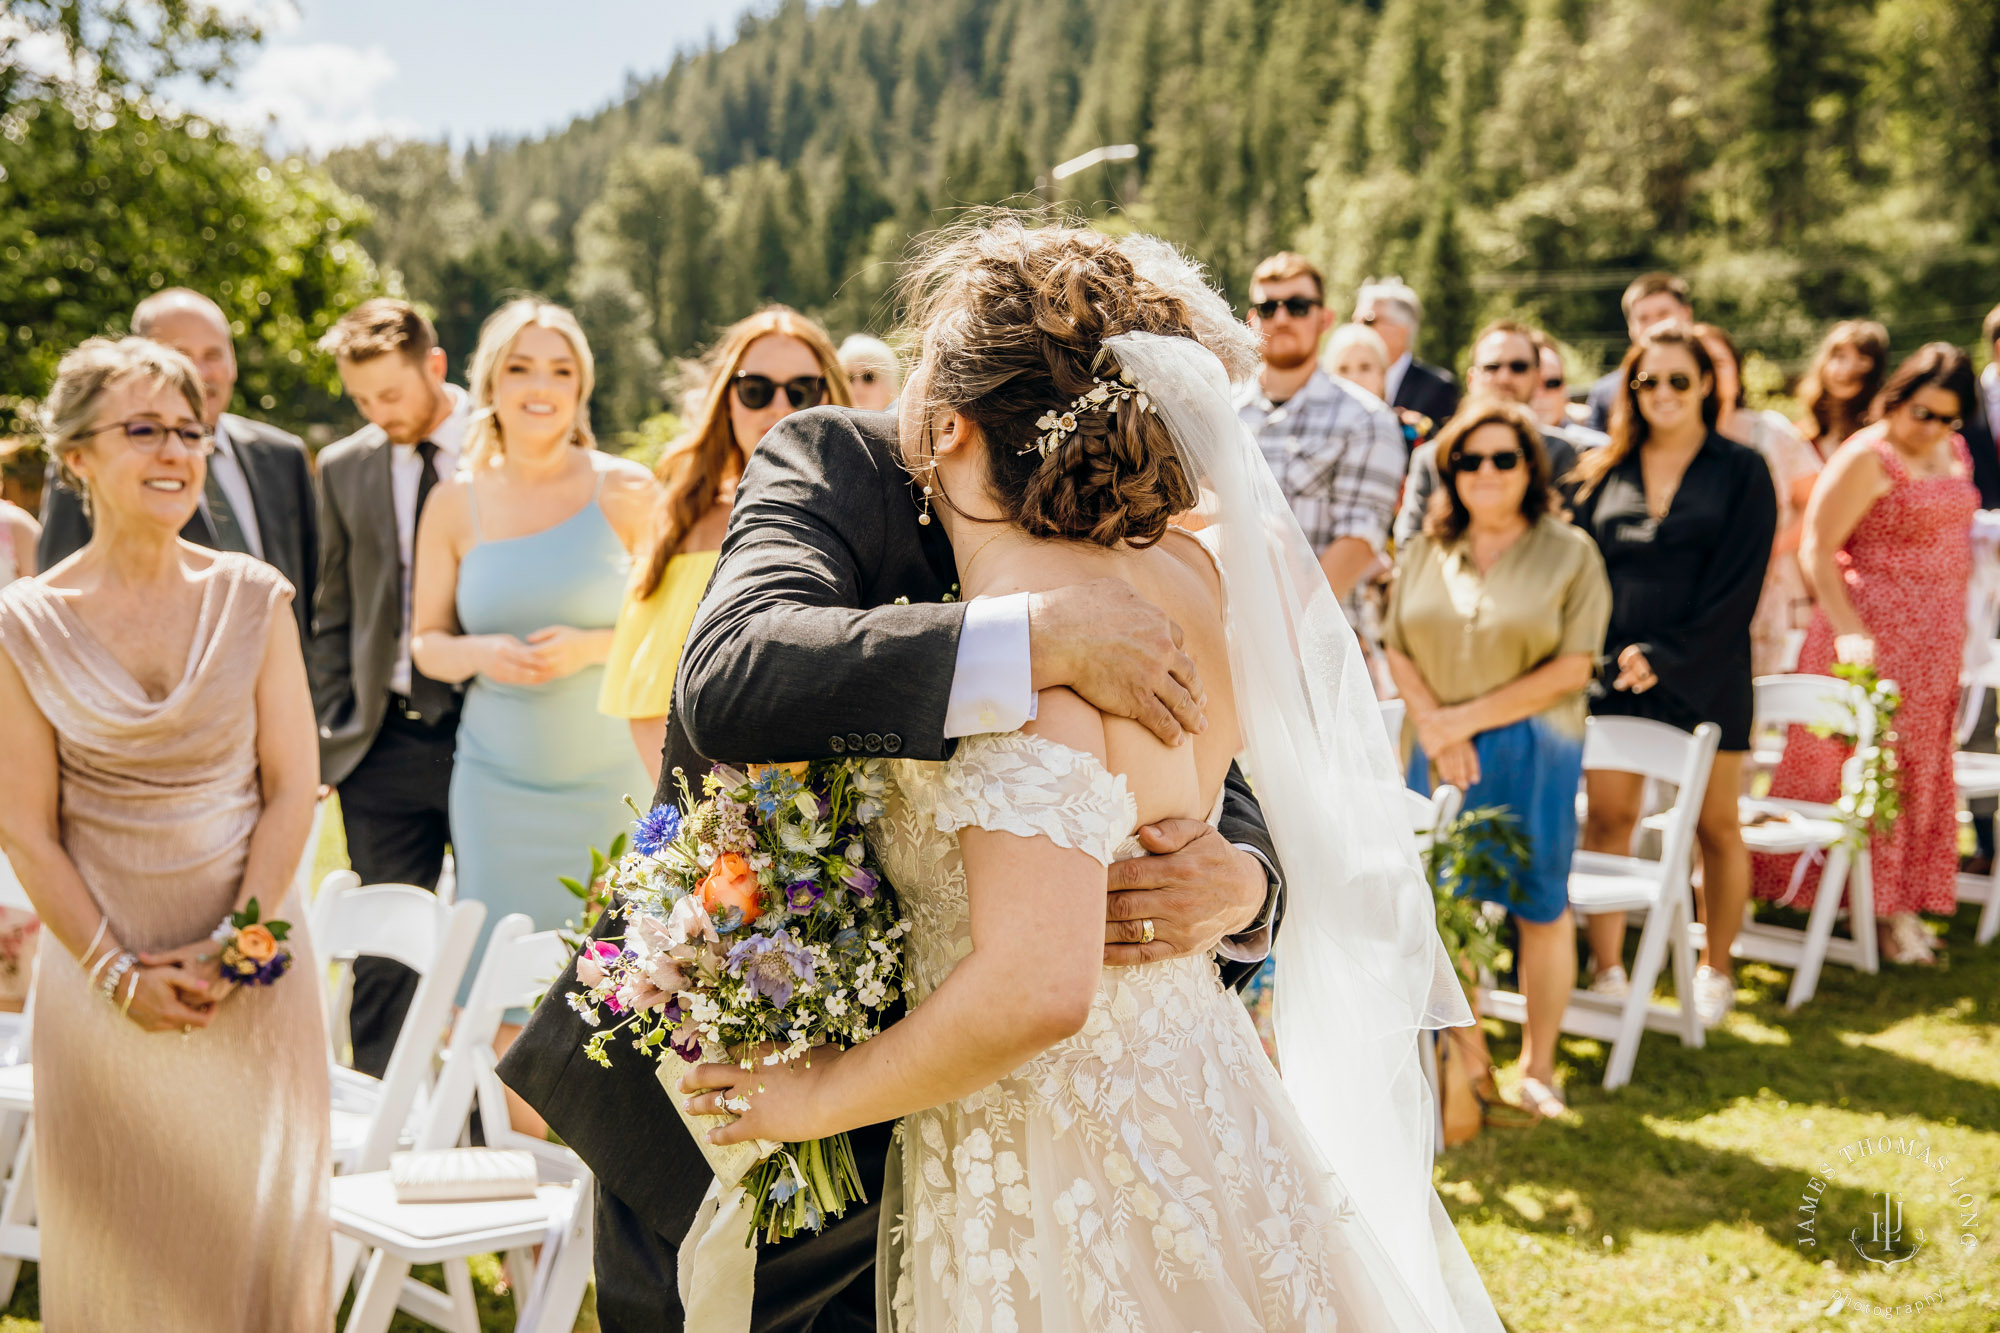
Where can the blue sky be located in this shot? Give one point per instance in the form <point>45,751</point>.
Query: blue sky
<point>334,71</point>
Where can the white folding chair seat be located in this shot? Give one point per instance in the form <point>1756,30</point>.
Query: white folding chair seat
<point>1977,776</point>
<point>518,966</point>
<point>1660,889</point>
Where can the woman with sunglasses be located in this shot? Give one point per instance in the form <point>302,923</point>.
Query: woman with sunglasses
<point>763,369</point>
<point>1684,517</point>
<point>1888,550</point>
<point>1785,607</point>
<point>1494,625</point>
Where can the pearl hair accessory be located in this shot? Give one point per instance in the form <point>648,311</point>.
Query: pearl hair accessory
<point>1103,395</point>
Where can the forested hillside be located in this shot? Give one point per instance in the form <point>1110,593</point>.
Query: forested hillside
<point>1527,155</point>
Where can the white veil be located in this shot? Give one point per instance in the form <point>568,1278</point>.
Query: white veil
<point>1361,969</point>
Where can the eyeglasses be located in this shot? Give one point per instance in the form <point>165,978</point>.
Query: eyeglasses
<point>756,391</point>
<point>862,377</point>
<point>1511,367</point>
<point>1298,307</point>
<point>1468,463</point>
<point>1555,383</point>
<point>148,435</point>
<point>1678,381</point>
<point>1924,414</point>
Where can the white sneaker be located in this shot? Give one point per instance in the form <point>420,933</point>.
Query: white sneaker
<point>1714,995</point>
<point>1611,981</point>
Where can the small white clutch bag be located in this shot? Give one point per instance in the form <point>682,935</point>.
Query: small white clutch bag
<point>462,1175</point>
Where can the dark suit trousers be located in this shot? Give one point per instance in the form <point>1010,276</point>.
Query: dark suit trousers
<point>813,1283</point>
<point>396,809</point>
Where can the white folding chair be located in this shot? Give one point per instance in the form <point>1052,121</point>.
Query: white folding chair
<point>1977,776</point>
<point>1602,882</point>
<point>1810,829</point>
<point>548,1293</point>
<point>432,939</point>
<point>1393,713</point>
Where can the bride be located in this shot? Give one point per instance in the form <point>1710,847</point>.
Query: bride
<point>1108,1149</point>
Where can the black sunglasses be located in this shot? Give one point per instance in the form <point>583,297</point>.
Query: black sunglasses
<point>1678,381</point>
<point>1298,307</point>
<point>1511,367</point>
<point>1468,463</point>
<point>756,391</point>
<point>1555,383</point>
<point>1922,413</point>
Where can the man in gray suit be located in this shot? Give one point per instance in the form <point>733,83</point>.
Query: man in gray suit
<point>259,495</point>
<point>386,731</point>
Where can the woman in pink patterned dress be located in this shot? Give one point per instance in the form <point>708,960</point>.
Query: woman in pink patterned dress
<point>1888,549</point>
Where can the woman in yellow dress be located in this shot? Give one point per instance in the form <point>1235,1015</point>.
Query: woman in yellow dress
<point>765,368</point>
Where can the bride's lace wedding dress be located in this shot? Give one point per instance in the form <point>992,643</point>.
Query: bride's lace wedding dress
<point>1147,1175</point>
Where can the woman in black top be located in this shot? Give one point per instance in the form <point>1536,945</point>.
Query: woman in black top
<point>1684,519</point>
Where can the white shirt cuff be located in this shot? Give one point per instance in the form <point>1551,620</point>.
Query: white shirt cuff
<point>993,682</point>
<point>1252,946</point>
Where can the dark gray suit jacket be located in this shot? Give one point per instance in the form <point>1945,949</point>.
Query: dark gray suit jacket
<point>275,465</point>
<point>358,609</point>
<point>804,648</point>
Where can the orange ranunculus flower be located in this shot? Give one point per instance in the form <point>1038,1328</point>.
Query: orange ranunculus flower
<point>731,882</point>
<point>256,943</point>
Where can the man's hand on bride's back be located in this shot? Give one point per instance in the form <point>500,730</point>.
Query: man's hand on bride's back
<point>1196,889</point>
<point>1119,652</point>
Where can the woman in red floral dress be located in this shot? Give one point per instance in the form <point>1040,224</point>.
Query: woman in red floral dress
<point>1888,550</point>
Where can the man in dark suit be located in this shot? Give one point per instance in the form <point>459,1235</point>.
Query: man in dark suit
<point>259,494</point>
<point>1652,298</point>
<point>386,731</point>
<point>825,632</point>
<point>1416,389</point>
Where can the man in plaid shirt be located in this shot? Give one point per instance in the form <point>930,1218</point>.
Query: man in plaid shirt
<point>1336,449</point>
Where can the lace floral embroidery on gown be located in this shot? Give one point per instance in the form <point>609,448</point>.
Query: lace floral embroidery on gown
<point>1147,1173</point>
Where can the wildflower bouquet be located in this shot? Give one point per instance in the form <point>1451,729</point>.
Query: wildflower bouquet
<point>756,928</point>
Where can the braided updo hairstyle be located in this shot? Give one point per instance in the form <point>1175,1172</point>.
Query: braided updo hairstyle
<point>1012,318</point>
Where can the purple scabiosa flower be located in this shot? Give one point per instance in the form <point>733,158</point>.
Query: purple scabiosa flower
<point>802,895</point>
<point>773,964</point>
<point>656,828</point>
<point>863,881</point>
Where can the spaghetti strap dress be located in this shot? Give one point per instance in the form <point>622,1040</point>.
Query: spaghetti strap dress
<point>540,776</point>
<point>1906,566</point>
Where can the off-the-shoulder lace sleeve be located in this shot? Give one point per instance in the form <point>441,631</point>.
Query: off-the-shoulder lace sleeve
<point>1034,787</point>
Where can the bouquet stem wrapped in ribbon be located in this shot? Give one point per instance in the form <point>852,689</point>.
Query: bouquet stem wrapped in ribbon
<point>757,928</point>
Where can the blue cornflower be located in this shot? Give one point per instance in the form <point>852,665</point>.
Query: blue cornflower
<point>656,828</point>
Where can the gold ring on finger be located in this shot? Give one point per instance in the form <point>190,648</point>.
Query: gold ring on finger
<point>1146,931</point>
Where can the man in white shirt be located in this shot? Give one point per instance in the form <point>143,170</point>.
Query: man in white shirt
<point>258,497</point>
<point>387,731</point>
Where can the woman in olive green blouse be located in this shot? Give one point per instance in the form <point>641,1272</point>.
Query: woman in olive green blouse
<point>1495,623</point>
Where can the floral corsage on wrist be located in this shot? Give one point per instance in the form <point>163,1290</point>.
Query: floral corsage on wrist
<point>253,951</point>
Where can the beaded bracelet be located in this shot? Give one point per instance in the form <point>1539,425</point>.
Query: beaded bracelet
<point>117,973</point>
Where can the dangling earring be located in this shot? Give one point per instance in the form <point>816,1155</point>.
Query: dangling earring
<point>924,514</point>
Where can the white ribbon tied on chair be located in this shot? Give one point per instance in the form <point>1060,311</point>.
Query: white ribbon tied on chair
<point>718,1259</point>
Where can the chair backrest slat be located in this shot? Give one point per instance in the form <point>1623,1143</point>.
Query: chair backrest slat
<point>520,963</point>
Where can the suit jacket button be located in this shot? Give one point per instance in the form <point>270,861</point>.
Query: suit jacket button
<point>854,742</point>
<point>874,743</point>
<point>892,743</point>
<point>835,744</point>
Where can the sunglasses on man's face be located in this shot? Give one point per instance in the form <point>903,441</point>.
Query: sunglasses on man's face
<point>1468,463</point>
<point>756,391</point>
<point>1925,415</point>
<point>1678,381</point>
<point>1511,367</point>
<point>1298,307</point>
<point>1555,383</point>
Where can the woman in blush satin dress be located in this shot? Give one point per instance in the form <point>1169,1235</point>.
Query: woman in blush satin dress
<point>521,567</point>
<point>161,768</point>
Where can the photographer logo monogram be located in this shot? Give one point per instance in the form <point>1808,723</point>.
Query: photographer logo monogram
<point>1916,1201</point>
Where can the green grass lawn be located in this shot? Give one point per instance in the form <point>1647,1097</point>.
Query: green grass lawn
<point>1672,1204</point>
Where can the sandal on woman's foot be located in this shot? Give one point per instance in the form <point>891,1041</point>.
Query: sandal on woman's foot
<point>1906,941</point>
<point>1495,1111</point>
<point>1544,1099</point>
